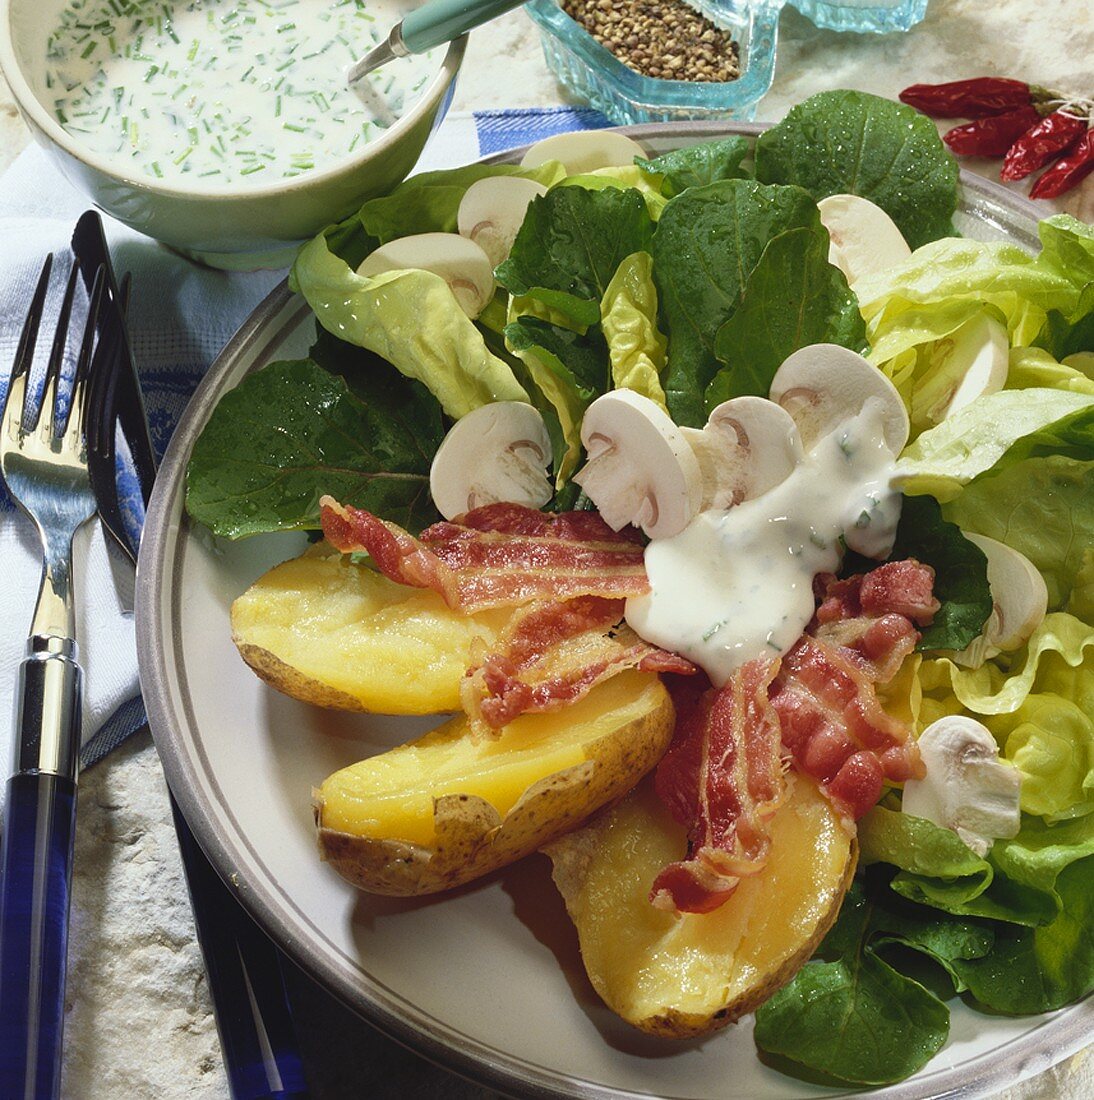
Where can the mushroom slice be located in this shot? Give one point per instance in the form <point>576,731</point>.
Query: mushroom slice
<point>864,240</point>
<point>823,385</point>
<point>497,452</point>
<point>584,151</point>
<point>969,363</point>
<point>460,262</point>
<point>749,445</point>
<point>967,788</point>
<point>640,468</point>
<point>492,210</point>
<point>1019,599</point>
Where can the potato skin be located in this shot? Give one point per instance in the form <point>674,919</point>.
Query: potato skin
<point>574,856</point>
<point>472,839</point>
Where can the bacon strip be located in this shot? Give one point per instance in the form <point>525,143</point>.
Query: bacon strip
<point>496,556</point>
<point>723,779</point>
<point>551,654</point>
<point>832,722</point>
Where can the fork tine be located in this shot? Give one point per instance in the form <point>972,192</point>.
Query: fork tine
<point>76,423</point>
<point>48,407</point>
<point>15,398</point>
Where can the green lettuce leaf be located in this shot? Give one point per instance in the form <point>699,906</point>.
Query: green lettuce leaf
<point>570,245</point>
<point>848,1014</point>
<point>1060,642</point>
<point>1042,507</point>
<point>293,432</point>
<point>428,203</point>
<point>636,348</point>
<point>845,142</point>
<point>995,274</point>
<point>411,319</point>
<point>570,370</point>
<point>939,870</point>
<point>975,438</point>
<point>1040,969</point>
<point>1034,367</point>
<point>1067,246</point>
<point>708,241</point>
<point>622,178</point>
<point>1050,740</point>
<point>793,297</point>
<point>697,165</point>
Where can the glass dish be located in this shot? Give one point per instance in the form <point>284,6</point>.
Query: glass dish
<point>594,74</point>
<point>875,16</point>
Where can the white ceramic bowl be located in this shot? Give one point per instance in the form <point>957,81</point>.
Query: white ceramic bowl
<point>242,226</point>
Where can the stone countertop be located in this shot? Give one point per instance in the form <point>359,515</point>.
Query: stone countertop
<point>139,1023</point>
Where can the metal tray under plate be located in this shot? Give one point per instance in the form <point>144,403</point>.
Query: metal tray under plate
<point>487,980</point>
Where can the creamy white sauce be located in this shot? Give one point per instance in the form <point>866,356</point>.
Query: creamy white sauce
<point>213,91</point>
<point>737,584</point>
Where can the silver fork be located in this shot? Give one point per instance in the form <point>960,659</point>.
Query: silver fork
<point>43,458</point>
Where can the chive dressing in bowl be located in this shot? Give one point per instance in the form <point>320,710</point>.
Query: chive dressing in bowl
<point>216,91</point>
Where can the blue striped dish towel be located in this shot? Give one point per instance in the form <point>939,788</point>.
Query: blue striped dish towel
<point>180,316</point>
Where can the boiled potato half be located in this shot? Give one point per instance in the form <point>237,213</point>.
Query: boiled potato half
<point>328,631</point>
<point>680,976</point>
<point>444,809</point>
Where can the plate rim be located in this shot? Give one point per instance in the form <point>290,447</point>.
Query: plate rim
<point>156,594</point>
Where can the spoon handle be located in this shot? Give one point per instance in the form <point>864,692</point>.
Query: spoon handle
<point>441,21</point>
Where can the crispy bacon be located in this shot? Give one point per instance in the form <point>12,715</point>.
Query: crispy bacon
<point>723,779</point>
<point>551,654</point>
<point>496,556</point>
<point>832,722</point>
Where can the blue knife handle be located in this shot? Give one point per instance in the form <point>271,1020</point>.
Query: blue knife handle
<point>245,980</point>
<point>35,877</point>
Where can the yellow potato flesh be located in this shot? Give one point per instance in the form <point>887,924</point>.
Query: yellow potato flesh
<point>391,649</point>
<point>645,962</point>
<point>391,796</point>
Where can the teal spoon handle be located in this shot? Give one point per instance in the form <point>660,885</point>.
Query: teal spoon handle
<point>441,21</point>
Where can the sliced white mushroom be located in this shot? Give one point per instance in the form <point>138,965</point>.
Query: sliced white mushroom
<point>823,385</point>
<point>864,240</point>
<point>492,210</point>
<point>584,151</point>
<point>640,468</point>
<point>1019,599</point>
<point>969,363</point>
<point>461,263</point>
<point>967,788</point>
<point>749,445</point>
<point>497,452</point>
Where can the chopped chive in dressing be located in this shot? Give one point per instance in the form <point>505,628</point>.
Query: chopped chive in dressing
<point>230,88</point>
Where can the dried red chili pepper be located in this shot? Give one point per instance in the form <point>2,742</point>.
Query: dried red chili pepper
<point>1068,171</point>
<point>1053,135</point>
<point>979,98</point>
<point>991,137</point>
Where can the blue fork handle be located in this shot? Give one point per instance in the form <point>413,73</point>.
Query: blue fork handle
<point>36,869</point>
<point>244,968</point>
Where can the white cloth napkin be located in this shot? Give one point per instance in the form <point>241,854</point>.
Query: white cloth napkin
<point>181,315</point>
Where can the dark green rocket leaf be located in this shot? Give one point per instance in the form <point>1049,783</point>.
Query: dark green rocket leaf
<point>570,244</point>
<point>293,432</point>
<point>708,241</point>
<point>698,165</point>
<point>846,142</point>
<point>793,297</point>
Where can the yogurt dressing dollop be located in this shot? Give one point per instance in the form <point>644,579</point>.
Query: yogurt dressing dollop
<point>737,584</point>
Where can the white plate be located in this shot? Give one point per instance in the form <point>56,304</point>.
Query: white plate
<point>486,980</point>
